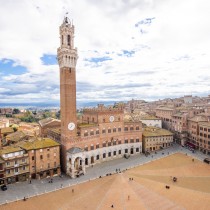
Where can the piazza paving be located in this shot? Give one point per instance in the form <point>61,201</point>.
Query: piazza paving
<point>143,187</point>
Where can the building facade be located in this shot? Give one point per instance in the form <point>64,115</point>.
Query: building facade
<point>6,111</point>
<point>44,157</point>
<point>105,135</point>
<point>156,138</point>
<point>4,122</point>
<point>193,128</point>
<point>2,171</point>
<point>165,114</point>
<point>151,121</point>
<point>204,137</point>
<point>46,124</point>
<point>188,99</point>
<point>179,127</point>
<point>16,164</point>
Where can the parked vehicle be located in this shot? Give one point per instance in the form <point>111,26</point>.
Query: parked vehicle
<point>4,187</point>
<point>206,160</point>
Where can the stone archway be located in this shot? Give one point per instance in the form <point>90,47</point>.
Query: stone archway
<point>78,163</point>
<point>92,159</point>
<point>86,161</point>
<point>132,151</point>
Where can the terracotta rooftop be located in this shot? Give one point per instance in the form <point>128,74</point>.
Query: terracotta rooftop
<point>198,118</point>
<point>9,149</point>
<point>38,144</point>
<point>154,131</point>
<point>47,121</point>
<point>127,118</point>
<point>7,130</point>
<point>17,136</point>
<point>179,114</point>
<point>55,130</point>
<point>148,118</point>
<point>165,108</point>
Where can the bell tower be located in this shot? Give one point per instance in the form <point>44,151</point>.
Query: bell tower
<point>67,59</point>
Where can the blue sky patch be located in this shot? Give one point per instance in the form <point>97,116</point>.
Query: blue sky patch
<point>97,60</point>
<point>49,59</point>
<point>128,53</point>
<point>8,67</point>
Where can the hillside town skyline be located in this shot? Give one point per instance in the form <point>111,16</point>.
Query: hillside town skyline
<point>153,54</point>
<point>81,105</point>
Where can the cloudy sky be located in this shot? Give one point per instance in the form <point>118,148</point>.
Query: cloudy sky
<point>141,49</point>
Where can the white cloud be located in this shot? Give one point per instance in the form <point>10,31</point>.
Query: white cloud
<point>171,54</point>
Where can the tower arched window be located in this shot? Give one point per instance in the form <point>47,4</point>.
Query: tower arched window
<point>68,40</point>
<point>62,39</point>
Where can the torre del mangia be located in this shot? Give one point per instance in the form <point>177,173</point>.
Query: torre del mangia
<point>102,133</point>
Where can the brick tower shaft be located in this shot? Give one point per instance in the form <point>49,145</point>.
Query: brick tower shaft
<point>67,59</point>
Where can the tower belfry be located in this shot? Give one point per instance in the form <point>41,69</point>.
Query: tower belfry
<point>67,59</point>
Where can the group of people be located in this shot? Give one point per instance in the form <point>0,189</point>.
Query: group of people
<point>118,170</point>
<point>51,180</point>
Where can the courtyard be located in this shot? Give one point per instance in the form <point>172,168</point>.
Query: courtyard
<point>143,187</point>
